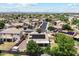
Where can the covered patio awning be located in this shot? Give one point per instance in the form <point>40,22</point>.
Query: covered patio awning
<point>40,41</point>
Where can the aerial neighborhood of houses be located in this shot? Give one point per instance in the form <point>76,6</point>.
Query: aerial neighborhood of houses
<point>20,29</point>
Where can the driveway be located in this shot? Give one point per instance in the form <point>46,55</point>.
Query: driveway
<point>22,46</point>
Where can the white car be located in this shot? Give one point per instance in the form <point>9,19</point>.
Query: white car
<point>15,49</point>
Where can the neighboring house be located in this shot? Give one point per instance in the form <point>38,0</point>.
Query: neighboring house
<point>2,19</point>
<point>7,25</point>
<point>12,25</point>
<point>17,24</point>
<point>76,37</point>
<point>35,20</point>
<point>11,34</point>
<point>40,38</point>
<point>76,16</point>
<point>58,24</point>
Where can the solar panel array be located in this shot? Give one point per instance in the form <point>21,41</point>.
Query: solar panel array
<point>37,36</point>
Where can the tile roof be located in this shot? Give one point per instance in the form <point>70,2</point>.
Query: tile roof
<point>11,31</point>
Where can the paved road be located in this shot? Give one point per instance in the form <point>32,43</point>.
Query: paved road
<point>43,26</point>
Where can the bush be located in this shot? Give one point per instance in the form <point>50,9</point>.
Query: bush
<point>47,20</point>
<point>0,51</point>
<point>38,30</point>
<point>33,49</point>
<point>2,24</point>
<point>50,28</point>
<point>66,27</point>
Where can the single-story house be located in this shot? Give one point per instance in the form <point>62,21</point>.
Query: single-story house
<point>17,24</point>
<point>40,38</point>
<point>58,24</point>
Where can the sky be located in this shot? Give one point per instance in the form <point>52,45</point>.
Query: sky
<point>40,7</point>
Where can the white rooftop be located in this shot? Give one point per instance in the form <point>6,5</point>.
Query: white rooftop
<point>11,30</point>
<point>7,24</point>
<point>17,24</point>
<point>35,20</point>
<point>39,41</point>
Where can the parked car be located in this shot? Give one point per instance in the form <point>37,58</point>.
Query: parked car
<point>15,49</point>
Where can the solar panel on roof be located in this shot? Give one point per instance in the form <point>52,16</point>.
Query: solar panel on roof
<point>35,36</point>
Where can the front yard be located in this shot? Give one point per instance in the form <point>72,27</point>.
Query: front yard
<point>7,54</point>
<point>7,45</point>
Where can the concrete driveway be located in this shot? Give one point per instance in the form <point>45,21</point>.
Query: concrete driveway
<point>22,46</point>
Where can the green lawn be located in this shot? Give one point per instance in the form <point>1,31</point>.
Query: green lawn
<point>7,54</point>
<point>76,22</point>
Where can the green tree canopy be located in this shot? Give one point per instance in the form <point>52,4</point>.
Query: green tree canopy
<point>38,30</point>
<point>2,24</point>
<point>48,20</point>
<point>47,49</point>
<point>65,45</point>
<point>63,18</point>
<point>66,27</point>
<point>50,28</point>
<point>75,21</point>
<point>33,49</point>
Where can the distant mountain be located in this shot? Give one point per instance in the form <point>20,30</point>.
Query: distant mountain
<point>42,12</point>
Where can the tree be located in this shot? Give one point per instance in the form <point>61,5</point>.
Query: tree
<point>47,49</point>
<point>75,21</point>
<point>63,18</point>
<point>47,20</point>
<point>50,28</point>
<point>65,45</point>
<point>66,27</point>
<point>38,30</point>
<point>33,49</point>
<point>55,51</point>
<point>2,24</point>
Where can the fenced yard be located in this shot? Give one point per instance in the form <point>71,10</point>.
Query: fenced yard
<point>7,46</point>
